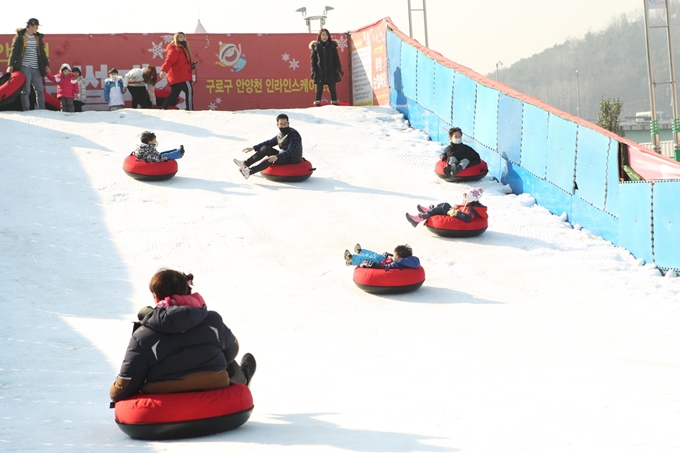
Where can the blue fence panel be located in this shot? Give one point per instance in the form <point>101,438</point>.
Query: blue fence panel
<point>443,92</point>
<point>613,181</point>
<point>425,81</point>
<point>534,140</point>
<point>635,221</point>
<point>409,68</point>
<point>592,153</point>
<point>509,128</point>
<point>666,224</point>
<point>561,153</point>
<point>486,117</point>
<point>394,60</point>
<point>594,220</point>
<point>464,93</point>
<point>416,115</point>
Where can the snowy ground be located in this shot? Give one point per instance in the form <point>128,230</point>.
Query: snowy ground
<point>534,337</point>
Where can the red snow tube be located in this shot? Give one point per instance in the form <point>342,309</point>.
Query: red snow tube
<point>472,173</point>
<point>181,415</point>
<point>51,102</point>
<point>453,227</point>
<point>161,94</point>
<point>149,171</point>
<point>10,86</point>
<point>289,172</point>
<point>389,281</point>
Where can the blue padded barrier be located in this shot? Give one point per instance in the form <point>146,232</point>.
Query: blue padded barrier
<point>443,92</point>
<point>431,123</point>
<point>425,81</point>
<point>464,94</point>
<point>509,128</point>
<point>594,220</point>
<point>635,219</point>
<point>592,151</point>
<point>534,140</point>
<point>541,190</point>
<point>416,115</point>
<point>486,117</point>
<point>666,224</point>
<point>399,102</point>
<point>393,60</point>
<point>613,181</point>
<point>409,71</point>
<point>492,158</point>
<point>444,132</point>
<point>561,153</point>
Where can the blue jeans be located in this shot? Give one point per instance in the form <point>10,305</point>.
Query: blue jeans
<point>33,77</point>
<point>367,255</point>
<point>172,154</point>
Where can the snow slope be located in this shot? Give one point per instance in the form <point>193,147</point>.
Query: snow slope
<point>534,337</point>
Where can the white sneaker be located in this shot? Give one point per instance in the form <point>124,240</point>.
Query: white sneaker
<point>240,163</point>
<point>245,171</point>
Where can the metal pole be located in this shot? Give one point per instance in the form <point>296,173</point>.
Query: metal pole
<point>410,25</point>
<point>425,21</point>
<point>675,125</point>
<point>578,96</point>
<point>654,124</point>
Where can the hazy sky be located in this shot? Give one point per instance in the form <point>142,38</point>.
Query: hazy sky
<point>476,34</point>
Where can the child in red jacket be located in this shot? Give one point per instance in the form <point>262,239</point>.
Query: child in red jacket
<point>67,87</point>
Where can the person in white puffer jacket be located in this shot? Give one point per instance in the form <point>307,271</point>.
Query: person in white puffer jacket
<point>142,86</point>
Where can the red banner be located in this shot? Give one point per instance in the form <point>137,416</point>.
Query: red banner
<point>234,72</point>
<point>370,84</point>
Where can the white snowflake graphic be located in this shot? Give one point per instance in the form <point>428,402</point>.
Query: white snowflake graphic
<point>218,100</point>
<point>285,57</point>
<point>294,64</point>
<point>212,106</point>
<point>342,42</point>
<point>167,38</point>
<point>157,50</point>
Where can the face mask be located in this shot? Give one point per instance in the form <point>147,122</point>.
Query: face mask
<point>457,141</point>
<point>284,130</point>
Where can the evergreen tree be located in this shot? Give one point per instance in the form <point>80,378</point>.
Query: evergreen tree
<point>608,118</point>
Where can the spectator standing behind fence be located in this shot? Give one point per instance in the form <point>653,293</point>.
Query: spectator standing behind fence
<point>142,86</point>
<point>67,87</point>
<point>178,66</point>
<point>113,90</point>
<point>326,67</point>
<point>81,96</point>
<point>28,56</point>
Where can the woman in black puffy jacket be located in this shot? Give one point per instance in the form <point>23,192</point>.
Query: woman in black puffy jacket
<point>326,67</point>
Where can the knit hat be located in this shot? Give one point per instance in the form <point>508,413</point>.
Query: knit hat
<point>65,65</point>
<point>474,194</point>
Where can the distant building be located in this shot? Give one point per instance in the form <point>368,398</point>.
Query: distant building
<point>199,27</point>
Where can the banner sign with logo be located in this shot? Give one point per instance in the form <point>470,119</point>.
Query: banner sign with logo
<point>233,72</point>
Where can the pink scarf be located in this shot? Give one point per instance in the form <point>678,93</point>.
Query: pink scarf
<point>191,300</point>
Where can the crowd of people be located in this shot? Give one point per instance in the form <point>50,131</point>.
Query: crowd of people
<point>28,55</point>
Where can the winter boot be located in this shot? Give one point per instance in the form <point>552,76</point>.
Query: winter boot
<point>245,171</point>
<point>248,366</point>
<point>335,103</point>
<point>317,103</point>
<point>424,209</point>
<point>413,219</point>
<point>240,163</point>
<point>348,258</point>
<point>181,149</point>
<point>357,248</point>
